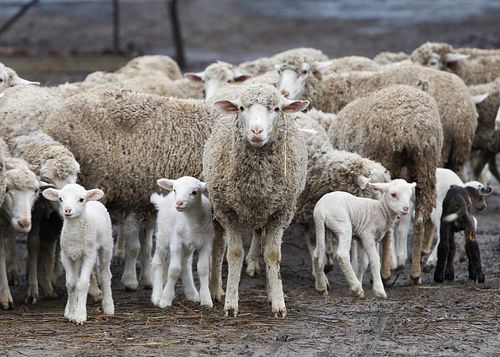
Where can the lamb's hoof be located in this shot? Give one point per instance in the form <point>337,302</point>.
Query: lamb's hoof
<point>480,278</point>
<point>253,269</point>
<point>438,279</point>
<point>230,311</point>
<point>462,258</point>
<point>449,276</point>
<point>130,284</point>
<point>31,300</point>
<point>380,294</point>
<point>193,297</point>
<point>218,295</point>
<point>386,281</point>
<point>164,303</point>
<point>109,309</point>
<point>7,305</point>
<point>207,304</point>
<point>416,280</point>
<point>323,292</point>
<point>328,268</point>
<point>358,292</point>
<point>51,295</point>
<point>280,313</point>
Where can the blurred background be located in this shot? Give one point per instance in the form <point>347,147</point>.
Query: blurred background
<point>54,41</point>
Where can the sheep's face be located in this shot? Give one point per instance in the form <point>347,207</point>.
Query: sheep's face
<point>72,199</point>
<point>292,80</point>
<point>397,194</point>
<point>497,120</point>
<point>9,78</point>
<point>187,191</point>
<point>258,111</point>
<point>22,190</point>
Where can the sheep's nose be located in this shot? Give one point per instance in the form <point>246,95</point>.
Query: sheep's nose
<point>257,131</point>
<point>24,223</point>
<point>285,93</point>
<point>67,211</point>
<point>179,203</point>
<point>406,209</point>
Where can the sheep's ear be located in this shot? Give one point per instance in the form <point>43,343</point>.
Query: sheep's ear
<point>166,184</point>
<point>362,181</point>
<point>455,57</point>
<point>319,65</point>
<point>380,186</point>
<point>44,185</point>
<point>195,77</point>
<point>51,194</point>
<point>226,106</point>
<point>294,106</point>
<point>241,77</point>
<point>95,194</point>
<point>478,99</point>
<point>485,191</point>
<point>203,187</point>
<point>16,80</point>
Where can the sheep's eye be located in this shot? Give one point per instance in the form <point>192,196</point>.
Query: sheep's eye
<point>60,199</point>
<point>1,80</point>
<point>277,109</point>
<point>279,71</point>
<point>241,108</point>
<point>36,191</point>
<point>304,71</point>
<point>194,193</point>
<point>81,200</point>
<point>174,191</point>
<point>229,81</point>
<point>393,195</point>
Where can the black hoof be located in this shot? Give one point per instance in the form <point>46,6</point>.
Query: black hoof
<point>328,268</point>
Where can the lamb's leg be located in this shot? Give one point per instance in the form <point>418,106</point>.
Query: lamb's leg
<point>343,256</point>
<point>119,247</point>
<point>82,289</point>
<point>190,291</point>
<point>462,255</point>
<point>218,249</point>
<point>387,242</point>
<point>105,276</point>
<point>252,258</point>
<point>371,250</point>
<point>311,244</point>
<point>272,258</point>
<point>174,271</point>
<point>12,264</point>
<point>474,255</point>
<point>449,273</point>
<point>71,278</point>
<point>446,234</point>
<point>203,268</point>
<point>418,233</point>
<point>132,248</point>
<point>362,262</point>
<point>5,297</point>
<point>146,240</point>
<point>402,240</point>
<point>318,259</point>
<point>158,265</point>
<point>235,263</point>
<point>32,295</point>
<point>330,249</point>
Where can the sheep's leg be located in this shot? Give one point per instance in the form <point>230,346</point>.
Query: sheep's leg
<point>119,247</point>
<point>32,295</point>
<point>252,258</point>
<point>5,297</point>
<point>105,276</point>
<point>158,266</point>
<point>418,233</point>
<point>12,264</point>
<point>190,291</point>
<point>218,249</point>
<point>235,263</point>
<point>46,264</point>
<point>71,279</point>
<point>330,249</point>
<point>132,248</point>
<point>94,290</point>
<point>318,260</point>
<point>272,257</point>
<point>474,255</point>
<point>492,163</point>
<point>203,268</point>
<point>402,240</point>
<point>82,288</point>
<point>387,242</point>
<point>480,162</point>
<point>343,257</point>
<point>449,273</point>
<point>146,240</point>
<point>174,271</point>
<point>371,250</point>
<point>442,253</point>
<point>362,262</point>
<point>428,236</point>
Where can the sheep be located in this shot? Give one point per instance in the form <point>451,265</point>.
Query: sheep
<point>368,220</point>
<point>457,216</point>
<point>349,64</point>
<point>455,103</point>
<point>9,78</point>
<point>255,167</point>
<point>388,127</point>
<point>86,240</point>
<point>385,58</point>
<point>22,189</point>
<point>184,224</point>
<point>163,65</point>
<point>486,142</point>
<point>474,66</point>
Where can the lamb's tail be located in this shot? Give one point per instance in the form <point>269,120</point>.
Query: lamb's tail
<point>453,216</point>
<point>156,199</point>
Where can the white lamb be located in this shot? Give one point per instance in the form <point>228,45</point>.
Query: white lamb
<point>184,224</point>
<point>86,239</point>
<point>365,219</point>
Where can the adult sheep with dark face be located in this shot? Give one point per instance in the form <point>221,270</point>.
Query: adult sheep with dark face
<point>389,126</point>
<point>255,165</point>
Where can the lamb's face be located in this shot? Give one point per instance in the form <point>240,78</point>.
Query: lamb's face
<point>398,195</point>
<point>22,189</point>
<point>72,199</point>
<point>187,191</point>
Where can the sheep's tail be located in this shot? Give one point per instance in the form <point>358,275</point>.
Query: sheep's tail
<point>156,199</point>
<point>454,216</point>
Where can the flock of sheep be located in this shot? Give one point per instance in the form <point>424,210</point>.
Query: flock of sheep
<point>352,148</point>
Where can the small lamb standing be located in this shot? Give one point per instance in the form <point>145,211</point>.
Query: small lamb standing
<point>367,220</point>
<point>184,224</point>
<point>86,239</point>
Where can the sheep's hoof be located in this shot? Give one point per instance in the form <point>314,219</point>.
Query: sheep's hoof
<point>231,312</point>
<point>428,268</point>
<point>328,268</point>
<point>462,258</point>
<point>480,278</point>
<point>280,313</point>
<point>218,295</point>
<point>253,269</point>
<point>380,294</point>
<point>385,281</point>
<point>449,276</point>
<point>31,300</point>
<point>358,293</point>
<point>416,280</point>
<point>51,295</point>
<point>7,305</point>
<point>438,278</point>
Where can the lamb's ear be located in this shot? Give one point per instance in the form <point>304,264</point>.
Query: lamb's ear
<point>195,77</point>
<point>380,186</point>
<point>226,106</point>
<point>95,194</point>
<point>51,194</point>
<point>455,57</point>
<point>413,184</point>
<point>478,99</point>
<point>203,187</point>
<point>362,181</point>
<point>294,106</point>
<point>485,191</point>
<point>166,184</point>
<point>319,65</point>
